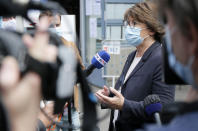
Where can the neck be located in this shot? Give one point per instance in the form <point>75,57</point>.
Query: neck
<point>144,46</point>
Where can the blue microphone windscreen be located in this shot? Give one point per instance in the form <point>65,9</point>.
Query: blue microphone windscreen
<point>100,59</point>
<point>152,108</point>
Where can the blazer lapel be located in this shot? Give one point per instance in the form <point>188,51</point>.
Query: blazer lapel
<point>138,66</point>
<point>143,60</point>
<point>128,64</point>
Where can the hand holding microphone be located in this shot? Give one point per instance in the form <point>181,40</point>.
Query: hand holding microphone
<point>98,61</point>
<point>152,107</point>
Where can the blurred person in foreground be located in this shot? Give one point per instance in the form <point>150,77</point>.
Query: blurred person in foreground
<point>63,117</point>
<point>181,19</point>
<point>142,72</point>
<point>21,96</point>
<point>55,22</point>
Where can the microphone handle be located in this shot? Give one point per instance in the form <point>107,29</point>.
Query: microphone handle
<point>157,118</point>
<point>89,70</point>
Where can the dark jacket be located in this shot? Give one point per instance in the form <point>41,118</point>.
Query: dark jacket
<point>145,79</point>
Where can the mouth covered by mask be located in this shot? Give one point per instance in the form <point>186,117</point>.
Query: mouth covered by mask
<point>183,71</point>
<point>132,35</point>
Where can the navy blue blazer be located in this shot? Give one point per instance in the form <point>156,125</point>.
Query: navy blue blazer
<point>145,79</point>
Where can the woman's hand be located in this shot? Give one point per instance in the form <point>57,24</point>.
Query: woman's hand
<point>115,102</point>
<point>105,91</point>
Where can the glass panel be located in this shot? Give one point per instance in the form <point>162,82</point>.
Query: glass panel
<point>116,11</point>
<point>108,32</point>
<point>99,32</point>
<point>115,32</point>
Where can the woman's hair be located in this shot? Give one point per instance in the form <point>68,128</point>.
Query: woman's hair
<point>72,45</point>
<point>146,12</point>
<point>184,11</point>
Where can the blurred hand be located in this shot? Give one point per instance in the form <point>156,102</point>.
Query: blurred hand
<point>39,47</point>
<point>115,102</point>
<point>21,97</point>
<point>48,109</point>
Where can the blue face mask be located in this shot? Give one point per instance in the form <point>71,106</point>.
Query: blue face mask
<point>183,71</point>
<point>132,35</point>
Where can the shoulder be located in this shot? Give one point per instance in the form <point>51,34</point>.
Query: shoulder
<point>157,52</point>
<point>156,55</point>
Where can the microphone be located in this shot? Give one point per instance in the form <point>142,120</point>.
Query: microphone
<point>152,107</point>
<point>98,61</point>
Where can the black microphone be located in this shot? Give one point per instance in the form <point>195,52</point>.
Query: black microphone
<point>98,61</point>
<point>89,70</point>
<point>152,107</point>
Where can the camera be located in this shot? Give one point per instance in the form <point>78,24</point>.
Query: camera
<point>56,83</point>
<point>57,78</point>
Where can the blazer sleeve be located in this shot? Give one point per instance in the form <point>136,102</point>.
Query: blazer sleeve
<point>165,92</point>
<point>135,108</point>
